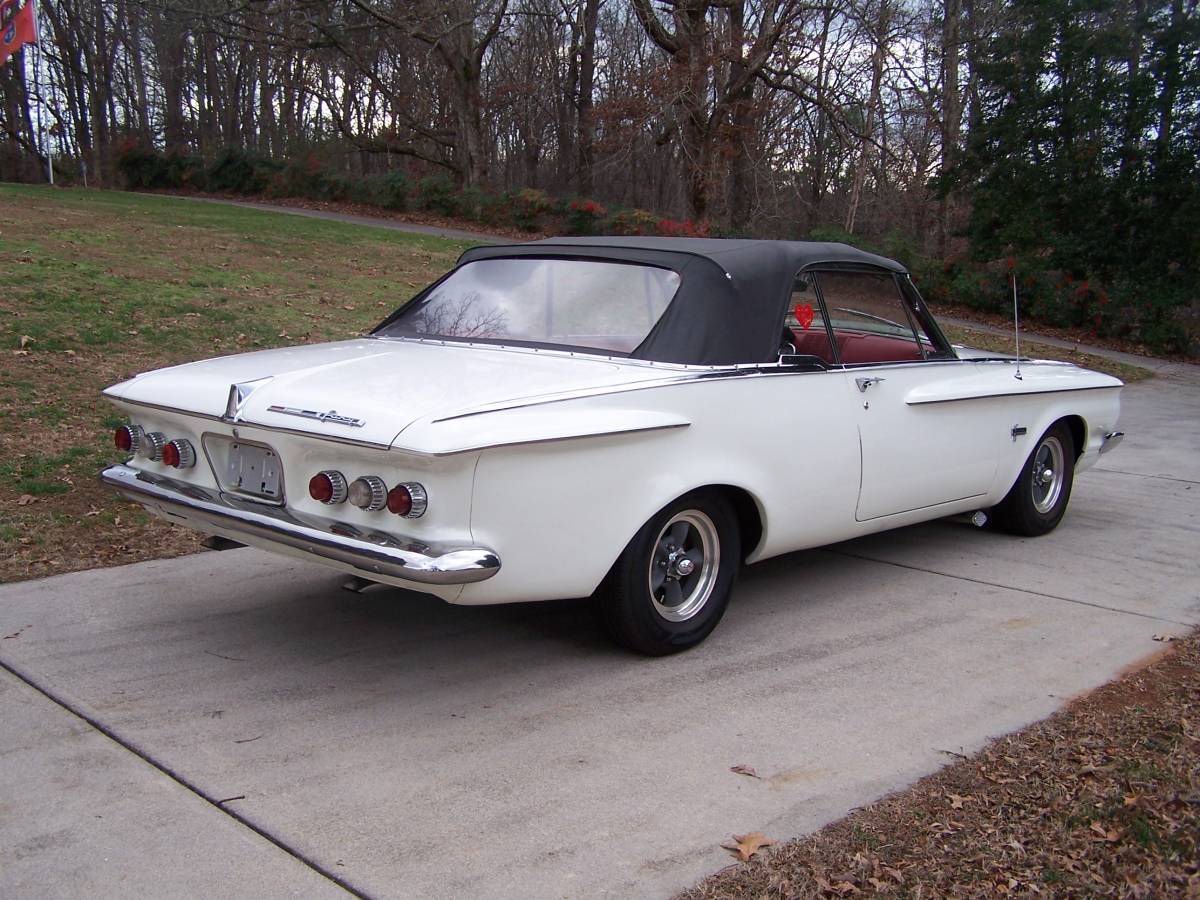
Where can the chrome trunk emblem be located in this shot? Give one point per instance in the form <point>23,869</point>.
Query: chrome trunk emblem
<point>330,416</point>
<point>239,394</point>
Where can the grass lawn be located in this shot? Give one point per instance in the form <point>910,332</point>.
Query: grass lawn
<point>100,285</point>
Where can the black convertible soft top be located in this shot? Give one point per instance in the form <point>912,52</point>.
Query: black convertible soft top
<point>732,293</point>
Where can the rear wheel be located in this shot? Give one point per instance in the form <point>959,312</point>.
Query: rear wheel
<point>1038,499</point>
<point>671,585</point>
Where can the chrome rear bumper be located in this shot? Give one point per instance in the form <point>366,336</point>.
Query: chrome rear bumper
<point>368,550</point>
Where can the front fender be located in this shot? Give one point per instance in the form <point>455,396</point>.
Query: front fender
<point>1099,409</point>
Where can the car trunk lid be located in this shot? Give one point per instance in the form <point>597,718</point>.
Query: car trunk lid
<point>369,390</point>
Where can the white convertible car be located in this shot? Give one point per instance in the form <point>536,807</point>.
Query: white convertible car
<point>629,419</point>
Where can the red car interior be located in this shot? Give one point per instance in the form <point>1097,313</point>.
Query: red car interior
<point>855,346</point>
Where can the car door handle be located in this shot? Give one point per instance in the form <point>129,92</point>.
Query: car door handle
<point>864,383</point>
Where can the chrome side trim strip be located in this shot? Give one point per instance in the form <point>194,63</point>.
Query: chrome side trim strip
<point>368,550</point>
<point>550,440</point>
<point>763,370</point>
<point>741,370</point>
<point>1096,387</point>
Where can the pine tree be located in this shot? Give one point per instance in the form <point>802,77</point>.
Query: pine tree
<point>1083,165</point>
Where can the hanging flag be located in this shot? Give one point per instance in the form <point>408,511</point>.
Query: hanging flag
<point>17,27</point>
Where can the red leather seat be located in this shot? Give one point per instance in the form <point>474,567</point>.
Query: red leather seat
<point>857,347</point>
<point>854,346</point>
<point>813,343</point>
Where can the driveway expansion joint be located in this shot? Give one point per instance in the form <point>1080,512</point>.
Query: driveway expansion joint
<point>1021,590</point>
<point>1144,475</point>
<point>179,779</point>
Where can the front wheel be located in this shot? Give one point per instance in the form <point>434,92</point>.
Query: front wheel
<point>671,585</point>
<point>1038,499</point>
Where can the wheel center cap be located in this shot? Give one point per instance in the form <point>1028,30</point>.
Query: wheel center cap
<point>1047,476</point>
<point>685,566</point>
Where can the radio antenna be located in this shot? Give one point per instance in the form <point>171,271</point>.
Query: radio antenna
<point>1016,325</point>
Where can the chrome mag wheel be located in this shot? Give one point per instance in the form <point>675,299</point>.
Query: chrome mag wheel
<point>1049,474</point>
<point>684,565</point>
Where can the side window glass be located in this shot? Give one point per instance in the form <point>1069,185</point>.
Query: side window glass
<point>804,325</point>
<point>869,319</point>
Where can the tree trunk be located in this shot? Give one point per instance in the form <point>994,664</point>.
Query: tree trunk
<point>820,149</point>
<point>864,156</point>
<point>951,115</point>
<point>586,108</point>
<point>741,125</point>
<point>469,113</point>
<point>1171,77</point>
<point>139,71</point>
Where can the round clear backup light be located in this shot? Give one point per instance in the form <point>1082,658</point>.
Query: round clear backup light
<point>152,445</point>
<point>368,492</point>
<point>328,487</point>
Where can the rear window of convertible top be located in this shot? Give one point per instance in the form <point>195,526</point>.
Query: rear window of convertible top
<point>608,306</point>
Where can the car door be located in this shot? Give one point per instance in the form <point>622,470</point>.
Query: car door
<point>914,456</point>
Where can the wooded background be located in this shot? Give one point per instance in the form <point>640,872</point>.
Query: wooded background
<point>1057,139</point>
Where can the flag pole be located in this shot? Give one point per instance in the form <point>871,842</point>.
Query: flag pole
<point>37,89</point>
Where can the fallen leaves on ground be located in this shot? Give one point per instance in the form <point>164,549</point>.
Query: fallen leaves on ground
<point>1100,800</point>
<point>744,846</point>
<point>744,770</point>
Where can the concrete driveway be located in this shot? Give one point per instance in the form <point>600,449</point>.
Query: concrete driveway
<point>235,724</point>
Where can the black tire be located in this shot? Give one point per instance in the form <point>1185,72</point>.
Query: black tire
<point>659,619</point>
<point>1036,502</point>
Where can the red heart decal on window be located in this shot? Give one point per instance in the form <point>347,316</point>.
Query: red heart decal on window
<point>804,315</point>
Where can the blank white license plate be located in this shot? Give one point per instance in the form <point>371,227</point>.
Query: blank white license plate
<point>254,469</point>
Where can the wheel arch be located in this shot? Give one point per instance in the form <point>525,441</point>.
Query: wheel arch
<point>1078,429</point>
<point>749,515</point>
<point>746,507</point>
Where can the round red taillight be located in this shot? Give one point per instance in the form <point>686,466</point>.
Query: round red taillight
<point>327,487</point>
<point>320,488</point>
<point>179,454</point>
<point>128,438</point>
<point>408,500</point>
<point>399,500</point>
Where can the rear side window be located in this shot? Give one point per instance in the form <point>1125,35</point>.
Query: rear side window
<point>870,319</point>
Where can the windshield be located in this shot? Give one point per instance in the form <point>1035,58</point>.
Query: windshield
<point>607,306</point>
